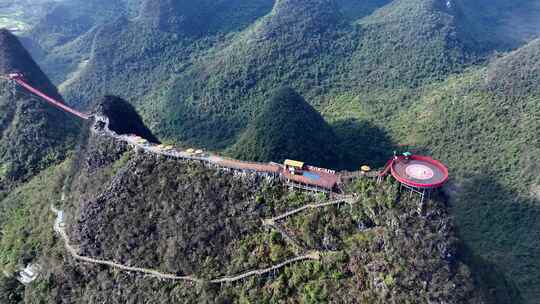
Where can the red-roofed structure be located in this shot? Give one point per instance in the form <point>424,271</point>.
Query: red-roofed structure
<point>419,174</point>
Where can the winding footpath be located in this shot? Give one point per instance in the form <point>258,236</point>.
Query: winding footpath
<point>59,225</point>
<point>60,229</point>
<point>273,222</point>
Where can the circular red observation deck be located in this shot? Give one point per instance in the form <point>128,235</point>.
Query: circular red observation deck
<point>419,171</point>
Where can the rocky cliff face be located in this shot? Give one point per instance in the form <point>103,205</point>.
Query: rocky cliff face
<point>123,118</point>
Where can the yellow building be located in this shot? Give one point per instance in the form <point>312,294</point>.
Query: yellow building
<point>365,168</point>
<point>294,164</point>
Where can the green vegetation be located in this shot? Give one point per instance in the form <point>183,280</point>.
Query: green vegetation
<point>203,17</point>
<point>485,125</point>
<point>188,87</point>
<point>26,229</point>
<point>26,218</point>
<point>499,23</point>
<point>33,135</point>
<point>20,15</point>
<point>288,127</point>
<point>357,9</point>
<point>187,219</point>
<point>184,218</point>
<point>64,21</point>
<point>61,39</point>
<point>415,72</point>
<point>167,225</point>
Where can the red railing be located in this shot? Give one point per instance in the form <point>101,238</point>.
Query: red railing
<point>18,78</point>
<point>387,168</point>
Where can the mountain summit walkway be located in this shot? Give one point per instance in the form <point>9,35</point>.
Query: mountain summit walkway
<point>326,182</point>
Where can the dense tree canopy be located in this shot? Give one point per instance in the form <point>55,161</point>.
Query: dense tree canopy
<point>423,74</point>
<point>288,127</point>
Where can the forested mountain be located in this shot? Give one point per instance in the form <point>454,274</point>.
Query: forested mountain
<point>67,20</point>
<point>452,78</point>
<point>201,82</point>
<point>183,218</point>
<point>408,43</point>
<point>201,17</point>
<point>499,23</point>
<point>32,135</point>
<point>22,15</point>
<point>485,124</point>
<point>288,128</point>
<point>62,38</point>
<point>354,10</point>
<point>516,75</point>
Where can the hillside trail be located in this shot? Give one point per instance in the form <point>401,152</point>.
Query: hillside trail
<point>59,227</point>
<point>340,199</point>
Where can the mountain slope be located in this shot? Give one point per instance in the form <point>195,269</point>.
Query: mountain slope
<point>129,207</point>
<point>500,24</point>
<point>406,69</point>
<point>485,125</point>
<point>61,40</point>
<point>201,17</point>
<point>187,81</point>
<point>288,127</point>
<point>518,73</point>
<point>290,46</point>
<point>407,43</point>
<point>32,134</point>
<point>354,10</point>
<point>67,20</point>
<point>20,15</point>
<point>305,44</point>
<point>130,57</point>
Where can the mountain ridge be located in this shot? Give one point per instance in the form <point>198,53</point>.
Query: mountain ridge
<point>15,59</point>
<point>426,74</point>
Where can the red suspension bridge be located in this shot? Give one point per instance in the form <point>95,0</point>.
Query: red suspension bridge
<point>19,79</point>
<point>418,173</point>
<point>320,180</point>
